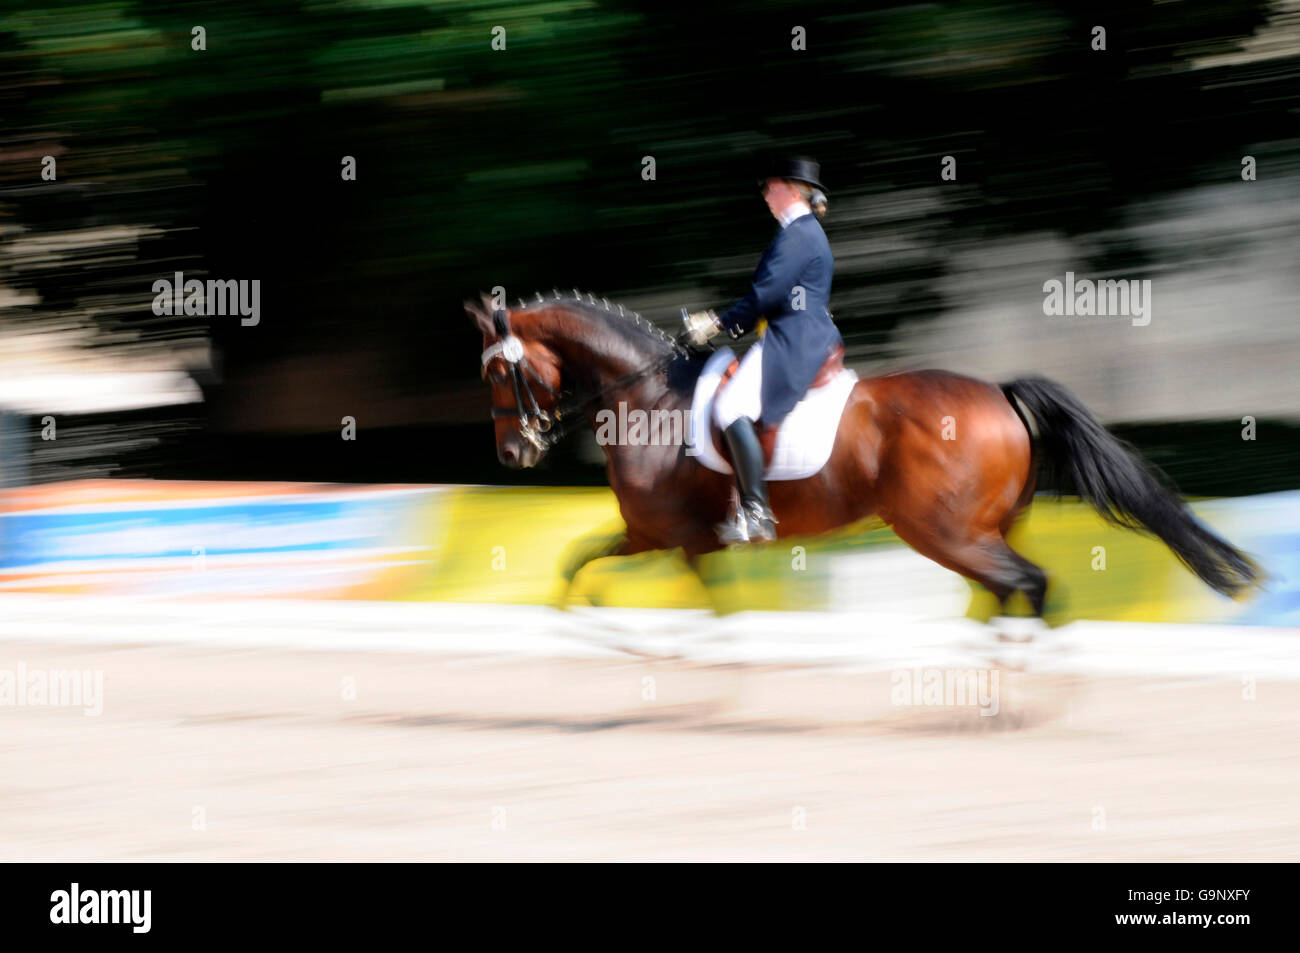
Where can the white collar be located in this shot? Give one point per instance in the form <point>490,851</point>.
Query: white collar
<point>794,210</point>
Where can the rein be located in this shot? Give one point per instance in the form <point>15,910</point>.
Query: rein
<point>539,428</point>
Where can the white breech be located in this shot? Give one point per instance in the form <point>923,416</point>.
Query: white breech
<point>743,395</point>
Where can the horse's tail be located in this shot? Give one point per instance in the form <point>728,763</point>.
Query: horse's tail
<point>1124,490</point>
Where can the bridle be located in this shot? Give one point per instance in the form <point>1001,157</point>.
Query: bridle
<point>544,430</point>
<point>535,424</point>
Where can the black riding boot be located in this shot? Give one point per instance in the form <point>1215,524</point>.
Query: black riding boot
<point>756,522</point>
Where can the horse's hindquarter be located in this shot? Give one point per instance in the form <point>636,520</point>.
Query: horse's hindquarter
<point>953,450</point>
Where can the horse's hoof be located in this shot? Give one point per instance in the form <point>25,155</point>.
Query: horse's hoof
<point>561,601</point>
<point>1016,629</point>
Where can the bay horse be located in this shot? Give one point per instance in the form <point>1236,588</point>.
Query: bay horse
<point>947,461</point>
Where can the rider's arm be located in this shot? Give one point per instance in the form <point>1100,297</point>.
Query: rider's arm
<point>777,274</point>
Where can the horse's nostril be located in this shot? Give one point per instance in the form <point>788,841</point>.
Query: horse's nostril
<point>508,455</point>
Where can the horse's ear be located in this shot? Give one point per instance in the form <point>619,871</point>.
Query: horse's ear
<point>480,317</point>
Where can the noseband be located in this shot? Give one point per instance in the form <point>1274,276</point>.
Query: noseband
<point>534,423</point>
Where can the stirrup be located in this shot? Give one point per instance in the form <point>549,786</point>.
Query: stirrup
<point>734,531</point>
<point>751,522</point>
<point>760,522</point>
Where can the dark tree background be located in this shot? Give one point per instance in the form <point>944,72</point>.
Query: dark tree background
<point>523,168</point>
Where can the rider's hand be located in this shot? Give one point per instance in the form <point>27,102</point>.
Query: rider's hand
<point>700,326</point>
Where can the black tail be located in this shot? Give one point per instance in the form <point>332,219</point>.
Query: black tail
<point>1110,476</point>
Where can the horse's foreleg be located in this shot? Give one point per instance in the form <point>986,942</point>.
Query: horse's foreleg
<point>693,562</point>
<point>596,545</point>
<point>584,550</point>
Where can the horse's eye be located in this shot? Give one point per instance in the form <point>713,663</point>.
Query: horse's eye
<point>497,376</point>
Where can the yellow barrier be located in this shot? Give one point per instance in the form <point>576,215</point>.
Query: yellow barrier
<point>511,545</point>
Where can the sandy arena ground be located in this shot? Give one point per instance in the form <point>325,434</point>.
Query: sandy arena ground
<point>507,758</point>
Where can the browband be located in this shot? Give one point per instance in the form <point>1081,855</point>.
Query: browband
<point>509,347</point>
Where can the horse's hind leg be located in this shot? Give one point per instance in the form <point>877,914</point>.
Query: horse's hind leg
<point>987,559</point>
<point>1025,577</point>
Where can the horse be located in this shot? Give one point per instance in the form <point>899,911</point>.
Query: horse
<point>947,461</point>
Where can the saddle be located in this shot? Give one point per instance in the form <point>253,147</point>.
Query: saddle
<point>795,450</point>
<point>767,433</point>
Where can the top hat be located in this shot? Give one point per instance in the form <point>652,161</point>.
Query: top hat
<point>798,168</point>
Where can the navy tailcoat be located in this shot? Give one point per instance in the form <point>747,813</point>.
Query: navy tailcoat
<point>797,342</point>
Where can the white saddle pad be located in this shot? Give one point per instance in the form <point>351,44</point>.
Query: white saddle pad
<point>806,437</point>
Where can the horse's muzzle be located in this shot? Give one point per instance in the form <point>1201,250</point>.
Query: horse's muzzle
<point>518,456</point>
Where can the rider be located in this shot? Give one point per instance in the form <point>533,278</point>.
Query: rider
<point>791,288</point>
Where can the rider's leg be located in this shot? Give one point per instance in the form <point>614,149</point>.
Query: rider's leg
<point>735,411</point>
<point>747,461</point>
<point>743,395</point>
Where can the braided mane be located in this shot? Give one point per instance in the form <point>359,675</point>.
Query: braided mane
<point>613,314</point>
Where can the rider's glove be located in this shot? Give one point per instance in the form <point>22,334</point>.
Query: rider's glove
<point>700,326</point>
